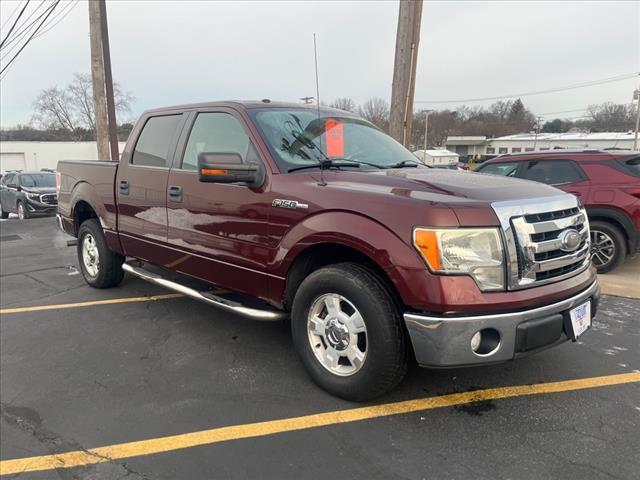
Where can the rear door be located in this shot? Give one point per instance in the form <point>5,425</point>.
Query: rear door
<point>141,188</point>
<point>9,192</point>
<point>218,231</point>
<point>563,174</point>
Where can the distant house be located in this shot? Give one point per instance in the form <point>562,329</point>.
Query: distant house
<point>437,158</point>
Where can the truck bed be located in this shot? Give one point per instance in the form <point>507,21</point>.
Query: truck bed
<point>93,181</point>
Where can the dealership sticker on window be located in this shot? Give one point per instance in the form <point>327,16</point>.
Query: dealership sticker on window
<point>334,131</point>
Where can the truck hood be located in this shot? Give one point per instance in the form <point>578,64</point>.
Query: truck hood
<point>448,187</point>
<point>39,190</point>
<point>452,198</point>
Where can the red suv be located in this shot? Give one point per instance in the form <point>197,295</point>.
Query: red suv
<point>607,183</point>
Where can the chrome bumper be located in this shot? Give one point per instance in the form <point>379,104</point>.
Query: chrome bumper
<point>59,222</point>
<point>440,341</point>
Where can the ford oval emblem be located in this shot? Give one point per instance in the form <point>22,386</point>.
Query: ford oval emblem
<point>570,240</point>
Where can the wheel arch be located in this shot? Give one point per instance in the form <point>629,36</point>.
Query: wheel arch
<point>617,218</point>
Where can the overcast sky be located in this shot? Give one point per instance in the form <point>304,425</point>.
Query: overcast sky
<point>170,52</point>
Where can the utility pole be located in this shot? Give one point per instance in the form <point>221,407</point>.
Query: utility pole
<point>535,141</point>
<point>404,70</point>
<point>636,96</point>
<point>426,131</point>
<point>106,127</point>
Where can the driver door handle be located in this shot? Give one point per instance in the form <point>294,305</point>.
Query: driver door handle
<point>175,193</point>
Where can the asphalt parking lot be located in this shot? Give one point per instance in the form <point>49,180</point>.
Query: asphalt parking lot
<point>126,386</point>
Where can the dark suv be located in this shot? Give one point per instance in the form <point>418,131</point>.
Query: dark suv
<point>28,194</point>
<point>607,183</point>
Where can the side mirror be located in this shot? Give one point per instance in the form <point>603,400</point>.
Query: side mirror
<point>225,167</point>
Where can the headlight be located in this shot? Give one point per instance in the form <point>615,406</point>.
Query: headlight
<point>464,251</point>
<point>33,196</point>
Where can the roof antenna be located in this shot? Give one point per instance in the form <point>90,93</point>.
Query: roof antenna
<point>323,163</point>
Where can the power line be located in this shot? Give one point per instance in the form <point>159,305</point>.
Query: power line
<point>24,31</point>
<point>4,24</point>
<point>53,7</point>
<point>617,78</point>
<point>14,23</point>
<point>62,14</point>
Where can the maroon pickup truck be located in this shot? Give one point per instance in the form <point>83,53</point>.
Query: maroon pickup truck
<point>278,211</point>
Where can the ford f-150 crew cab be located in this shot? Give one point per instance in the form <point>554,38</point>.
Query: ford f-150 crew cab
<point>279,211</point>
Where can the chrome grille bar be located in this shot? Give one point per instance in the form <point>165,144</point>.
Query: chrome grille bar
<point>533,232</point>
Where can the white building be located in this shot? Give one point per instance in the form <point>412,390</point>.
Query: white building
<point>38,155</point>
<point>529,142</point>
<point>437,158</point>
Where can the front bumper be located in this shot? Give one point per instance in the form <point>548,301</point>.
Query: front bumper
<point>39,208</point>
<point>445,341</point>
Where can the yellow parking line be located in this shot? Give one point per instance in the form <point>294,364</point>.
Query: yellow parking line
<point>236,432</point>
<point>39,308</point>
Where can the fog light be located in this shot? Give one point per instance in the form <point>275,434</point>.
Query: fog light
<point>475,341</point>
<point>485,342</point>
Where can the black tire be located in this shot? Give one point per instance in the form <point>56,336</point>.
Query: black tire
<point>109,269</point>
<point>24,215</point>
<point>4,215</point>
<point>387,351</point>
<point>613,245</point>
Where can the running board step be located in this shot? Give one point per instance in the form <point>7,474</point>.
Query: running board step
<point>206,297</point>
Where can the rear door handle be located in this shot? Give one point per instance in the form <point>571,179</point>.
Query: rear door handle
<point>175,193</point>
<point>124,187</point>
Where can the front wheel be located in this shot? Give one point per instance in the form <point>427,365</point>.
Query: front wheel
<point>101,268</point>
<point>607,246</point>
<point>23,213</point>
<point>348,331</point>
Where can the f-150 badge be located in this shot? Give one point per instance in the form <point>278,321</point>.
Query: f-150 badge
<point>288,204</point>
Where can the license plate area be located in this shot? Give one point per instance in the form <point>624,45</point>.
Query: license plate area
<point>579,320</point>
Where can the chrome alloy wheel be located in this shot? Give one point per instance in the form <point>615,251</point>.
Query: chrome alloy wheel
<point>90,256</point>
<point>603,248</point>
<point>21,214</point>
<point>337,334</point>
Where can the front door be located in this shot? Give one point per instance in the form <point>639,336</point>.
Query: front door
<point>218,231</point>
<point>141,187</point>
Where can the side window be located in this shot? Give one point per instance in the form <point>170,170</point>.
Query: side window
<point>152,147</point>
<point>553,172</point>
<point>215,132</point>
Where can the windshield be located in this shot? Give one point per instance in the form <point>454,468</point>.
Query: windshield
<point>298,138</point>
<point>38,180</point>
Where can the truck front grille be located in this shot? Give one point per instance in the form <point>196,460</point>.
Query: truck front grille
<point>49,199</point>
<point>546,240</point>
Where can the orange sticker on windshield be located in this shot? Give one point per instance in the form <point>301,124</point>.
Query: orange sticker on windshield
<point>335,137</point>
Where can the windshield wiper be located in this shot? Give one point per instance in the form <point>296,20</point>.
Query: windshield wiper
<point>407,163</point>
<point>324,164</point>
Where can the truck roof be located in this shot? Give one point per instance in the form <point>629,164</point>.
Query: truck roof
<point>247,104</point>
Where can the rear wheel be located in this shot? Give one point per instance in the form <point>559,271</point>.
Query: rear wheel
<point>100,267</point>
<point>23,212</point>
<point>3,214</point>
<point>607,246</point>
<point>348,331</point>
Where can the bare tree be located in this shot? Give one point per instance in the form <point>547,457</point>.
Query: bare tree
<point>72,108</point>
<point>54,110</point>
<point>376,110</point>
<point>344,104</point>
<point>609,117</point>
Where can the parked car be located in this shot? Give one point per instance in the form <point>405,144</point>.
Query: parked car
<point>321,217</point>
<point>28,194</point>
<point>606,182</point>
